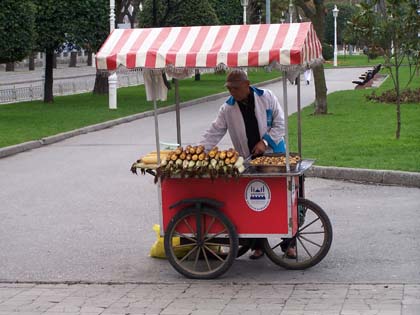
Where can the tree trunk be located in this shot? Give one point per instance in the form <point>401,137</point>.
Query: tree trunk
<point>31,61</point>
<point>320,90</point>
<point>48,84</point>
<point>89,58</point>
<point>73,59</point>
<point>197,75</point>
<point>54,61</point>
<point>101,83</point>
<point>10,66</point>
<point>316,14</point>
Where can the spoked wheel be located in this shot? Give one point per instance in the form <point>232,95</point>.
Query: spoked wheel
<point>311,242</point>
<point>201,244</point>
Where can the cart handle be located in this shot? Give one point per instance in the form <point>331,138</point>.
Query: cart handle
<point>198,202</point>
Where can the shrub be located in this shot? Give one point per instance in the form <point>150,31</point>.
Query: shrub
<point>390,96</point>
<point>327,51</point>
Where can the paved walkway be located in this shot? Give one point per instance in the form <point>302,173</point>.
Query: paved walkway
<point>48,231</point>
<point>21,75</point>
<point>208,298</point>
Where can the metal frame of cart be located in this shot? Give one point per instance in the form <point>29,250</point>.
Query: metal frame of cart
<point>190,240</point>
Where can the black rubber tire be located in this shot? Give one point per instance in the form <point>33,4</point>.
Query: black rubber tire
<point>201,251</point>
<point>314,218</point>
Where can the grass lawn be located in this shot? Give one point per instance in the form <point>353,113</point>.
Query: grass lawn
<point>359,133</point>
<point>354,61</point>
<point>356,133</point>
<point>26,121</point>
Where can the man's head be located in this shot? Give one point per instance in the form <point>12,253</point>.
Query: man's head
<point>238,84</point>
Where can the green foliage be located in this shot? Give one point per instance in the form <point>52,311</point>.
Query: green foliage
<point>193,13</point>
<point>391,31</point>
<point>358,133</point>
<point>53,20</point>
<point>177,13</point>
<point>17,21</point>
<point>229,12</point>
<point>327,51</point>
<point>345,14</point>
<point>89,15</point>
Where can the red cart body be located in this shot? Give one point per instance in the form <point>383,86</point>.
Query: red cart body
<point>257,206</point>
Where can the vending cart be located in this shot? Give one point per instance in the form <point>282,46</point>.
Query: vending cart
<point>208,221</point>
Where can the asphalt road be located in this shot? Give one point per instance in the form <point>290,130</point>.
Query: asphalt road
<point>72,211</point>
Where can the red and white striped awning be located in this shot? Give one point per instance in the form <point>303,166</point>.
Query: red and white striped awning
<point>210,46</point>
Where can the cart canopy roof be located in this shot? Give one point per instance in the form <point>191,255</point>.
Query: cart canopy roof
<point>292,46</point>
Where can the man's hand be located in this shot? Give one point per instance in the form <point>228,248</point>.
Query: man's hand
<point>259,148</point>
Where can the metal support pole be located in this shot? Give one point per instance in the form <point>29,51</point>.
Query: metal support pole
<point>111,15</point>
<point>286,142</point>
<point>178,114</point>
<point>156,118</point>
<point>335,13</point>
<point>286,123</point>
<point>112,79</point>
<point>244,14</point>
<point>267,12</point>
<point>299,131</point>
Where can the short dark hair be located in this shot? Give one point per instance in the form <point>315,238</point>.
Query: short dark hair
<point>235,77</point>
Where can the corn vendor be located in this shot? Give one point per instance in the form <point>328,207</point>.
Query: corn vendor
<point>255,122</point>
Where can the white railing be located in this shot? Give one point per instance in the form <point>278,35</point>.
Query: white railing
<point>34,90</point>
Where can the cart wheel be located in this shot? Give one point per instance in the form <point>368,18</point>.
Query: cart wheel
<point>312,240</point>
<point>204,255</point>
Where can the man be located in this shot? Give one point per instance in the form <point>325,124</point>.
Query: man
<point>252,116</point>
<point>255,122</point>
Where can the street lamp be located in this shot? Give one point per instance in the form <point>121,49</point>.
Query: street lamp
<point>335,14</point>
<point>291,11</point>
<point>113,78</point>
<point>111,15</point>
<point>244,3</point>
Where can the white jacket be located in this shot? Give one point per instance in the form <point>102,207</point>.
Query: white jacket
<point>270,117</point>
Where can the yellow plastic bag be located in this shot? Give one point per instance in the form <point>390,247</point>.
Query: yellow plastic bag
<point>158,248</point>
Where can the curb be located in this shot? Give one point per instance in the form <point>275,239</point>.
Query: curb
<point>384,177</point>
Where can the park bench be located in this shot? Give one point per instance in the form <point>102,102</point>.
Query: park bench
<point>366,79</point>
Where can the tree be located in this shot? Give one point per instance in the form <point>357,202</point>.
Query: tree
<point>315,11</point>
<point>94,17</point>
<point>393,29</point>
<point>229,12</point>
<point>17,21</point>
<point>53,20</point>
<point>345,14</point>
<point>193,13</point>
<point>177,13</point>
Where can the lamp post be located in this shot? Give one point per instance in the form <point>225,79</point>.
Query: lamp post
<point>335,14</point>
<point>112,79</point>
<point>291,12</point>
<point>418,12</point>
<point>111,15</point>
<point>244,3</point>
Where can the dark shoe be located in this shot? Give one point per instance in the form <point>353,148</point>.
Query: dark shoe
<point>257,254</point>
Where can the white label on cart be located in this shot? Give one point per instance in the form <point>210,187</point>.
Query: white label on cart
<point>257,195</point>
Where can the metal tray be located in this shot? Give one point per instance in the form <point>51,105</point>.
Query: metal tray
<point>273,168</point>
